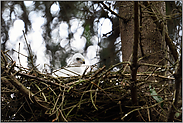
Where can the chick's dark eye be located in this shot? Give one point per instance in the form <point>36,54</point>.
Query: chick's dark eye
<point>77,59</point>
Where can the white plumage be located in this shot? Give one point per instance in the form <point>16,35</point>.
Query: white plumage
<point>74,68</point>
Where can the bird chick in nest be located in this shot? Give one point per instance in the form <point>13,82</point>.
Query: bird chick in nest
<point>75,67</point>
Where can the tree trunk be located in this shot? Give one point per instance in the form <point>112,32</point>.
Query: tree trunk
<point>151,42</point>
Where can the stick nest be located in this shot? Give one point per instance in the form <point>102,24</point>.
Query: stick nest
<point>101,95</point>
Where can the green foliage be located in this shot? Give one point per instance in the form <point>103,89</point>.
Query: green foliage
<point>177,114</point>
<point>157,98</point>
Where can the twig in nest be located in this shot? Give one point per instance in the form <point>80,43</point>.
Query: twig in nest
<point>154,75</point>
<point>61,104</point>
<point>85,71</point>
<point>29,49</point>
<point>30,107</point>
<point>12,66</point>
<point>148,113</point>
<point>2,54</point>
<point>97,72</point>
<point>65,68</point>
<point>103,91</point>
<point>113,67</point>
<point>92,98</point>
<point>127,64</point>
<point>19,53</point>
<point>56,117</point>
<point>140,109</point>
<point>141,116</point>
<point>56,102</point>
<point>39,79</point>
<point>41,92</point>
<point>63,116</point>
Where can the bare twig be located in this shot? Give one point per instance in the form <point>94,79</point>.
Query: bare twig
<point>141,109</point>
<point>29,49</point>
<point>123,18</point>
<point>103,91</point>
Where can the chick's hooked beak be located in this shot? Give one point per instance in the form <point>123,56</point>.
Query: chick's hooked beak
<point>83,61</point>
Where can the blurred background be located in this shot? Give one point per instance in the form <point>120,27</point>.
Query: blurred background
<point>57,30</point>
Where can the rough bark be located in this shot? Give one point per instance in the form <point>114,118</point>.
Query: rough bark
<point>151,40</point>
<point>151,43</point>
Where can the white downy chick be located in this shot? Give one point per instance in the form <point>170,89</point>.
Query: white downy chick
<point>74,68</point>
